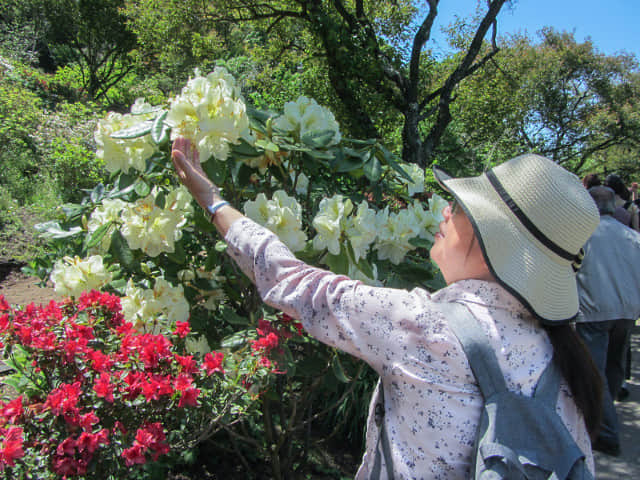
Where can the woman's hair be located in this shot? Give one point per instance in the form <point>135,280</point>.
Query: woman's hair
<point>591,180</point>
<point>617,185</point>
<point>574,361</point>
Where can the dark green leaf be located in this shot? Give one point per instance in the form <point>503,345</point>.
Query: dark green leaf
<point>97,193</point>
<point>121,251</point>
<point>96,237</point>
<point>339,371</point>
<point>318,138</point>
<point>236,340</point>
<point>230,316</point>
<point>373,169</point>
<point>421,242</point>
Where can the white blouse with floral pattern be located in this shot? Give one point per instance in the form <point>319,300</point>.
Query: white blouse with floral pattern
<point>432,402</point>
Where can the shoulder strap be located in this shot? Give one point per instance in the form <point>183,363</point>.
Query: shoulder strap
<point>482,359</point>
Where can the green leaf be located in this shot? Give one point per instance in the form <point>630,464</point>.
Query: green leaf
<point>216,170</point>
<point>267,145</point>
<point>141,188</point>
<point>337,263</point>
<point>97,193</point>
<point>344,163</point>
<point>230,316</point>
<point>121,251</point>
<point>318,138</point>
<point>236,340</point>
<point>339,371</point>
<point>52,229</point>
<point>96,237</point>
<point>390,159</point>
<point>311,366</point>
<point>139,130</point>
<point>421,242</point>
<point>159,129</point>
<point>244,150</point>
<point>373,169</point>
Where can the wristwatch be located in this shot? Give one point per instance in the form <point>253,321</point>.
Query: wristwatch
<point>214,207</point>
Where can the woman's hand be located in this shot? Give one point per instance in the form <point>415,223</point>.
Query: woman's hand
<point>187,164</point>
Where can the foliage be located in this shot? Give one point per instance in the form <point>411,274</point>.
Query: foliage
<point>559,98</point>
<point>345,204</point>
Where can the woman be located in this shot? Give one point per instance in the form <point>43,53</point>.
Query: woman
<point>510,279</point>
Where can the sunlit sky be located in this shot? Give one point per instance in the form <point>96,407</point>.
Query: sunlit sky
<point>613,25</point>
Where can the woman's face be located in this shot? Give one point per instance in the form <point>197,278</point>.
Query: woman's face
<point>456,250</point>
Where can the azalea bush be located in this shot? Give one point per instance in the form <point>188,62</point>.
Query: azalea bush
<point>100,398</point>
<point>339,203</point>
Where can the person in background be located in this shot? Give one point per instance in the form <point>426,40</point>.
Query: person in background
<point>609,305</point>
<point>591,180</point>
<point>624,203</point>
<point>507,249</point>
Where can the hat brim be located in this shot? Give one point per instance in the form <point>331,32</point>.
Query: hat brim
<point>545,284</point>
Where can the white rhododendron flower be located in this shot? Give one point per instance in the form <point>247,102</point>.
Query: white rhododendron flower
<point>197,345</point>
<point>282,215</point>
<point>417,174</point>
<point>72,276</point>
<point>153,310</point>
<point>394,232</point>
<point>356,274</point>
<point>361,230</point>
<point>436,205</point>
<point>302,183</point>
<point>211,112</point>
<point>107,212</point>
<point>330,222</point>
<point>154,230</point>
<point>120,153</point>
<point>426,221</point>
<point>304,116</point>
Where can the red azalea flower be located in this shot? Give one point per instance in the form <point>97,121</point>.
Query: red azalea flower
<point>182,382</point>
<point>134,455</point>
<point>12,410</point>
<point>99,361</point>
<point>187,363</point>
<point>4,305</point>
<point>182,329</point>
<point>189,397</point>
<point>213,363</point>
<point>103,387</point>
<point>88,420</point>
<point>11,447</point>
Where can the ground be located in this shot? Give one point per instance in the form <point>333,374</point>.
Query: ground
<point>21,289</point>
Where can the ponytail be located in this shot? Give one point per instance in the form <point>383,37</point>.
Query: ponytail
<point>579,370</point>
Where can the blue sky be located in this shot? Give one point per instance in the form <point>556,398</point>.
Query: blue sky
<point>613,25</point>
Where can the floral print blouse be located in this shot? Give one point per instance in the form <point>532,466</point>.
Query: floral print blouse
<point>432,402</point>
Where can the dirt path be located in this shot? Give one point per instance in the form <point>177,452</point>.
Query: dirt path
<point>21,289</point>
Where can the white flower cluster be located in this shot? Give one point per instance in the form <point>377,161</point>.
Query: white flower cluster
<point>152,229</point>
<point>282,215</point>
<point>304,116</point>
<point>72,276</point>
<point>153,310</point>
<point>211,112</point>
<point>122,153</point>
<point>417,175</point>
<point>389,234</point>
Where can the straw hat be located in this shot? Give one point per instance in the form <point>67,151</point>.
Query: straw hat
<point>532,218</point>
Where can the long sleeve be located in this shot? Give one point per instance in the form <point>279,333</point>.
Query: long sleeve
<point>343,313</point>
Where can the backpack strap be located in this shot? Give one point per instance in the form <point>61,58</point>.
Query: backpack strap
<point>475,343</point>
<point>548,385</point>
